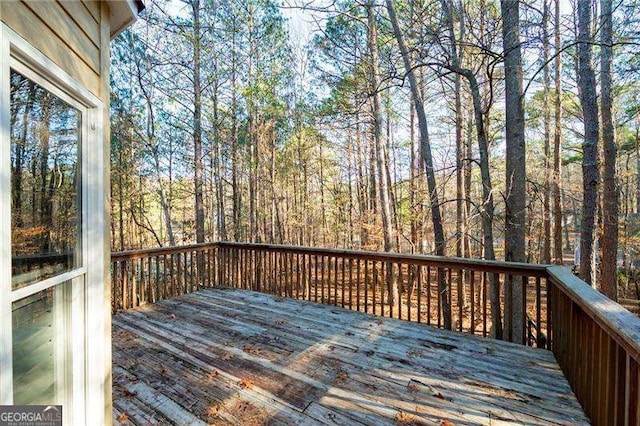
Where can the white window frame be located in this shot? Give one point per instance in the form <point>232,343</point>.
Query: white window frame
<point>88,300</point>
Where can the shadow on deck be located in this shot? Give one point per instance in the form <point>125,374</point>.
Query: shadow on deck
<point>224,356</point>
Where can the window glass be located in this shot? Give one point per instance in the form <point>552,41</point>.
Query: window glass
<point>45,183</point>
<point>41,350</point>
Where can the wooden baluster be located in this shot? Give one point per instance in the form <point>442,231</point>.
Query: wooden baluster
<point>195,270</point>
<point>410,288</point>
<point>342,283</point>
<point>123,274</point>
<point>288,274</point>
<point>538,311</point>
<point>460,298</point>
<point>449,290</point>
<point>179,275</point>
<point>315,280</point>
<point>308,274</point>
<point>143,282</point>
<point>323,274</point>
<point>384,284</point>
<point>428,295</point>
<point>419,290</point>
<point>300,274</point>
<point>472,296</point>
<point>270,271</point>
<point>525,285</point>
<point>294,274</point>
<point>366,285</point>
<point>401,289</point>
<point>351,283</point>
<point>439,295</point>
<point>375,279</point>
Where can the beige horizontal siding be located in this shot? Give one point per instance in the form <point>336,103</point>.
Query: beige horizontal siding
<point>49,28</point>
<point>93,6</point>
<point>83,19</point>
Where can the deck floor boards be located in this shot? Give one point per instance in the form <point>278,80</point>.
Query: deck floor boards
<point>223,356</point>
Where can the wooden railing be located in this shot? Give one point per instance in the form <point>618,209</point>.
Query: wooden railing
<point>427,289</point>
<point>146,276</point>
<point>597,343</point>
<point>595,340</point>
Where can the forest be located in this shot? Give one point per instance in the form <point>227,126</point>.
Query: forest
<point>471,128</point>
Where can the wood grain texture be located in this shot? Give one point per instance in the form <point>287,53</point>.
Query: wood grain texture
<point>223,356</point>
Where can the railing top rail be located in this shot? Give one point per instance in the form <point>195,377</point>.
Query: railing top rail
<point>619,323</point>
<point>515,268</point>
<point>158,251</point>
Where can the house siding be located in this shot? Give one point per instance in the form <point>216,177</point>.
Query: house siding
<point>68,33</point>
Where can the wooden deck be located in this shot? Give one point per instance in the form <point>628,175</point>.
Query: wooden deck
<point>227,356</point>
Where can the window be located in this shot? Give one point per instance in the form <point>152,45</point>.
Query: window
<point>46,183</point>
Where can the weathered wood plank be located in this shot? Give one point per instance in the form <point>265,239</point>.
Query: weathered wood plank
<point>444,359</point>
<point>303,363</point>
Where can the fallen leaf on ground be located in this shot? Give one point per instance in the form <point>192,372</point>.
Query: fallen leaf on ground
<point>245,384</point>
<point>213,375</point>
<point>128,393</point>
<point>413,388</point>
<point>123,417</point>
<point>342,376</point>
<point>251,350</point>
<point>213,411</point>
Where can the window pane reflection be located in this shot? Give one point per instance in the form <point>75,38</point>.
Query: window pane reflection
<point>41,353</point>
<point>45,183</point>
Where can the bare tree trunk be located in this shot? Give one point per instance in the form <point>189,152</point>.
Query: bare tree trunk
<point>438,231</point>
<point>590,172</point>
<point>557,140</point>
<point>546,251</point>
<point>609,279</point>
<point>197,124</point>
<point>383,183</point>
<point>217,169</point>
<point>236,193</point>
<point>467,183</point>
<point>515,200</point>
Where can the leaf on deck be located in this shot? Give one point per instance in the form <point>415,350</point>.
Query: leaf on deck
<point>251,350</point>
<point>342,376</point>
<point>128,393</point>
<point>413,388</point>
<point>213,411</point>
<point>213,375</point>
<point>403,418</point>
<point>245,384</point>
<point>123,417</point>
